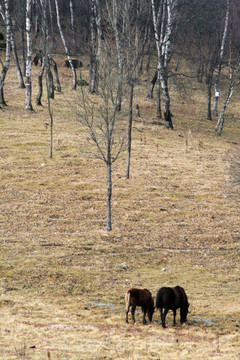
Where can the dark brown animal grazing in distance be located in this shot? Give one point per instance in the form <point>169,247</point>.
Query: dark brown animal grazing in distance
<point>139,297</point>
<point>172,299</point>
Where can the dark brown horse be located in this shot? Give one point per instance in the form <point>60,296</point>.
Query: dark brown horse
<point>139,297</point>
<point>172,299</point>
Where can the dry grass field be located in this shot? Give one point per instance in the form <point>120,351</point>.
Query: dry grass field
<point>175,222</point>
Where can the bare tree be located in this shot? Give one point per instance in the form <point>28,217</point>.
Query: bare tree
<point>101,123</point>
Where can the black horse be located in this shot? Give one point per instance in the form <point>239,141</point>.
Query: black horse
<point>172,299</point>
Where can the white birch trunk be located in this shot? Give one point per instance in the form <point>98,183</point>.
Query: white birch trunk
<point>233,82</point>
<point>51,18</point>
<point>163,40</point>
<point>15,55</point>
<point>96,45</point>
<point>66,47</point>
<point>119,54</point>
<point>217,77</point>
<point>28,99</point>
<point>72,22</point>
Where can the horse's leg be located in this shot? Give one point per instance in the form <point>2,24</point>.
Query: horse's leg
<point>133,313</point>
<point>144,310</point>
<point>174,316</point>
<point>127,311</point>
<point>182,316</point>
<point>127,304</point>
<point>164,317</point>
<point>161,314</point>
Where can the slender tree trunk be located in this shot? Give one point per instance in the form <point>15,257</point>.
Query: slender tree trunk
<point>158,96</point>
<point>49,111</point>
<point>21,25</point>
<point>5,66</point>
<point>50,84</point>
<point>209,107</point>
<point>92,68</point>
<point>209,81</point>
<point>53,63</point>
<point>234,80</point>
<point>66,47</point>
<point>200,70</point>
<point>96,45</point>
<point>217,76</point>
<point>16,61</point>
<point>28,101</point>
<point>22,47</point>
<point>119,54</point>
<point>130,130</point>
<point>72,23</point>
<point>148,49</point>
<point>14,50</point>
<point>51,17</point>
<point>166,102</point>
<point>163,41</point>
<point>152,84</point>
<point>40,87</point>
<point>220,123</point>
<point>109,196</point>
<point>48,73</point>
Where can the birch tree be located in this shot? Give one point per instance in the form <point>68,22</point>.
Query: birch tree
<point>74,86</point>
<point>72,22</point>
<point>220,60</point>
<point>5,66</point>
<point>48,74</point>
<point>28,99</point>
<point>13,46</point>
<point>95,44</point>
<point>234,80</point>
<point>48,61</point>
<point>163,23</point>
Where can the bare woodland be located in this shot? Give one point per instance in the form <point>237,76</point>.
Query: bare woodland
<point>126,38</point>
<point>119,169</point>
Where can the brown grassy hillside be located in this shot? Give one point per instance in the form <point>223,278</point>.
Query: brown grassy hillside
<point>175,221</point>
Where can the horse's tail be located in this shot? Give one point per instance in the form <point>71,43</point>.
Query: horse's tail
<point>128,300</point>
